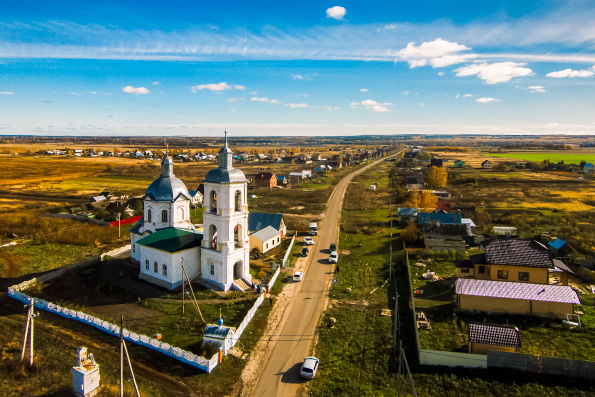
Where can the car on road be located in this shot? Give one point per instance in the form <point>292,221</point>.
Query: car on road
<point>298,276</point>
<point>252,196</point>
<point>333,247</point>
<point>334,257</point>
<point>305,251</point>
<point>308,241</point>
<point>309,367</point>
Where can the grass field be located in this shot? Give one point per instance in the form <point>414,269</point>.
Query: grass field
<point>568,157</point>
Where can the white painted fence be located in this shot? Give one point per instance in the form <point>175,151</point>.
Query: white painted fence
<point>143,340</point>
<point>288,251</point>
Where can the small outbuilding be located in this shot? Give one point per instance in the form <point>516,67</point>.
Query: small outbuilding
<point>589,168</point>
<point>483,337</point>
<point>219,335</point>
<point>265,239</point>
<point>459,164</point>
<point>486,164</point>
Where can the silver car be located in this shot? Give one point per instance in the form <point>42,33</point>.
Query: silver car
<point>333,258</point>
<point>309,367</point>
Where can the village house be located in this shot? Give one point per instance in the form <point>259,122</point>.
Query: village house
<point>265,239</point>
<point>589,168</point>
<point>486,164</point>
<point>483,337</point>
<point>439,163</point>
<point>407,215</point>
<point>512,260</point>
<point>459,164</point>
<point>498,297</point>
<point>196,198</point>
<point>265,179</point>
<point>261,220</point>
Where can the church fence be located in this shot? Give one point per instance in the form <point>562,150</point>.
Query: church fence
<point>175,352</point>
<point>288,251</point>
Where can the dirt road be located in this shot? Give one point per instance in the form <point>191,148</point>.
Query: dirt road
<point>293,338</point>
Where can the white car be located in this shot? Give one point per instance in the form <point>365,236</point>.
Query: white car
<point>308,241</point>
<point>309,367</point>
<point>333,258</point>
<point>298,276</point>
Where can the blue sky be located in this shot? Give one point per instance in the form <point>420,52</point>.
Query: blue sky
<point>297,68</point>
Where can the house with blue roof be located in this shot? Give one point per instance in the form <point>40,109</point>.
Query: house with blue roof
<point>589,168</point>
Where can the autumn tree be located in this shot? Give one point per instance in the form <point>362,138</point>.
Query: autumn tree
<point>437,177</point>
<point>411,233</point>
<point>427,200</point>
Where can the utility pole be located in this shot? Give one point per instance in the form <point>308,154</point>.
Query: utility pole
<point>119,217</point>
<point>29,332</point>
<point>122,355</point>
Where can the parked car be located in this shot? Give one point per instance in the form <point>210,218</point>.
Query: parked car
<point>305,251</point>
<point>308,241</point>
<point>333,258</point>
<point>309,367</point>
<point>298,276</point>
<point>333,247</point>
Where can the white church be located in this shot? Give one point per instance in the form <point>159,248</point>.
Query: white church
<point>164,239</point>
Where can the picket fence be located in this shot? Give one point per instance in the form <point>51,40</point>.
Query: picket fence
<point>140,339</point>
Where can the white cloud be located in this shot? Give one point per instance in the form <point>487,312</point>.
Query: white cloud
<point>572,73</point>
<point>422,104</point>
<point>234,100</point>
<point>132,90</point>
<point>336,12</point>
<point>467,96</point>
<point>438,53</point>
<point>364,90</point>
<point>495,73</point>
<point>253,92</point>
<point>487,100</point>
<point>330,108</point>
<point>223,86</point>
<point>440,73</point>
<point>6,93</point>
<point>75,93</point>
<point>156,83</point>
<point>298,105</point>
<point>371,105</point>
<point>391,26</point>
<point>536,88</point>
<point>298,77</point>
<point>405,92</point>
<point>264,99</point>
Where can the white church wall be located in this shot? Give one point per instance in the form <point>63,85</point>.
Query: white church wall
<point>135,248</point>
<point>173,278</point>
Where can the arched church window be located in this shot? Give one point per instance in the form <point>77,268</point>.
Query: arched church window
<point>180,214</point>
<point>155,265</point>
<point>213,201</point>
<point>164,216</point>
<point>238,200</point>
<point>237,236</point>
<point>164,269</point>
<point>213,237</point>
<point>149,215</point>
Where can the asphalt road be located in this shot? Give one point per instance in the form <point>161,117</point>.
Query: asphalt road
<point>296,332</point>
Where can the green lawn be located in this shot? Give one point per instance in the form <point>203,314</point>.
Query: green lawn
<point>568,157</point>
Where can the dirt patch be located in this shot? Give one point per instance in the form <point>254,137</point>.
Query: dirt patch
<point>299,208</point>
<point>345,252</point>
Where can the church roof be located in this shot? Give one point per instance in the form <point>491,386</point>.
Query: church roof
<point>167,187</point>
<point>260,220</point>
<point>223,175</point>
<point>217,331</point>
<point>172,240</point>
<point>138,225</point>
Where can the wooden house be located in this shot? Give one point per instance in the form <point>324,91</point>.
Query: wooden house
<point>265,179</point>
<point>459,164</point>
<point>486,164</point>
